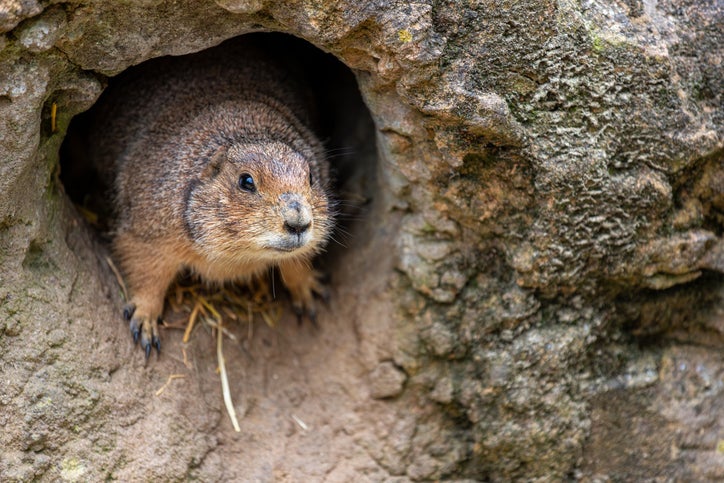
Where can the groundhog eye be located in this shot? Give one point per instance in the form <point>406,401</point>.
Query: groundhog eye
<point>311,179</point>
<point>246,182</point>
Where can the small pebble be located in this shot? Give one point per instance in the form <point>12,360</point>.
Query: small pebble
<point>386,380</point>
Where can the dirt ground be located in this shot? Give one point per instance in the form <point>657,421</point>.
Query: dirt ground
<point>301,392</point>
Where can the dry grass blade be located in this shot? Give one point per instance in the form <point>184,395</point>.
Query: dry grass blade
<point>216,324</point>
<point>230,313</point>
<point>232,302</point>
<point>118,278</point>
<point>54,118</point>
<point>271,322</point>
<point>186,359</point>
<point>300,423</point>
<point>235,302</point>
<point>168,381</point>
<point>192,321</point>
<point>209,307</point>
<point>90,216</point>
<point>225,382</point>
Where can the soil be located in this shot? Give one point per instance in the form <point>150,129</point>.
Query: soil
<point>301,391</point>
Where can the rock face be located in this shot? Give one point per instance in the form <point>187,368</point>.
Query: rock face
<point>539,275</point>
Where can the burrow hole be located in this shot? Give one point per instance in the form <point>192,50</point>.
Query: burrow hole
<point>341,121</point>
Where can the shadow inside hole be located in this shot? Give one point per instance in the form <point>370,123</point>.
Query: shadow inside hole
<point>340,118</point>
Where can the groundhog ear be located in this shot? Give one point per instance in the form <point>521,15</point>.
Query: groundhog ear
<point>216,161</point>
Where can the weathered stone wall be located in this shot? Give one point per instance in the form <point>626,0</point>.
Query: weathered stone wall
<point>554,299</point>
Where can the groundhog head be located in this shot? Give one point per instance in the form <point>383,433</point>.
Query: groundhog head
<point>259,201</point>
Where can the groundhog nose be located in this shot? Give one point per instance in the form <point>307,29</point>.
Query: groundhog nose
<point>296,228</point>
<point>296,213</point>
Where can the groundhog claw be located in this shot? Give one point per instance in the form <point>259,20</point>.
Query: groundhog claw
<point>304,300</point>
<point>148,342</point>
<point>135,329</point>
<point>312,314</point>
<point>128,310</point>
<point>325,294</point>
<point>156,342</point>
<point>145,328</point>
<point>300,310</point>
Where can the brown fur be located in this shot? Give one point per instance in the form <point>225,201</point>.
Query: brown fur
<point>173,141</point>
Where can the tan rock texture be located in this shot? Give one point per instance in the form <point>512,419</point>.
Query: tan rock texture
<point>540,265</point>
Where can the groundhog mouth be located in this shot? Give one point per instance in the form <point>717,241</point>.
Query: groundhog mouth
<point>289,243</point>
<point>282,249</point>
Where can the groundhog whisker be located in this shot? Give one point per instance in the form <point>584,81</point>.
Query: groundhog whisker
<point>337,242</point>
<point>341,240</point>
<point>333,156</point>
<point>340,150</point>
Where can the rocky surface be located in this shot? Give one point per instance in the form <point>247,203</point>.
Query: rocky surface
<point>535,292</point>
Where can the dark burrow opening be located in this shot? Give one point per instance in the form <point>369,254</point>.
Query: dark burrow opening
<point>340,119</point>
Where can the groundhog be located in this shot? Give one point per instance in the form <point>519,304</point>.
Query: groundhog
<point>214,169</point>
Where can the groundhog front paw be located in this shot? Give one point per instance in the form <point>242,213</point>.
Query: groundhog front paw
<point>304,297</point>
<point>143,326</point>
